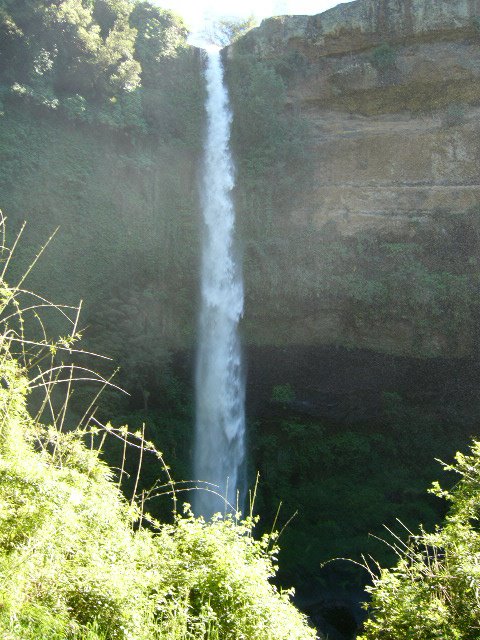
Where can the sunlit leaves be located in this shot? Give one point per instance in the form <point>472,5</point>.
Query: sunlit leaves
<point>434,590</point>
<point>63,52</point>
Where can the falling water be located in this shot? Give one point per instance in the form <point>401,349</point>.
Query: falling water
<point>220,389</point>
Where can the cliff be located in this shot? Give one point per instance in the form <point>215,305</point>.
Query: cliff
<point>361,236</point>
<point>356,139</point>
<point>390,93</point>
<point>356,145</point>
<point>356,26</point>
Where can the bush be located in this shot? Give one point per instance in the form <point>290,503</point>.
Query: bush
<point>76,561</point>
<point>85,57</point>
<point>433,592</point>
<point>283,393</point>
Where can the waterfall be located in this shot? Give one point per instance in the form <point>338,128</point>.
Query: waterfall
<point>220,387</point>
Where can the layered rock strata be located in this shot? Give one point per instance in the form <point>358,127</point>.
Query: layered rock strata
<point>391,91</point>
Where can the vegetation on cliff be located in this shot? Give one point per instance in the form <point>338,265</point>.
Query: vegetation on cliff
<point>313,279</point>
<point>112,163</point>
<point>337,478</point>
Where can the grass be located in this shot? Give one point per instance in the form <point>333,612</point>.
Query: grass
<point>78,561</point>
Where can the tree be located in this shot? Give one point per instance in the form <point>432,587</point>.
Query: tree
<point>227,30</point>
<point>160,35</point>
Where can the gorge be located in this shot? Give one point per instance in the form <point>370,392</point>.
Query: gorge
<point>356,139</point>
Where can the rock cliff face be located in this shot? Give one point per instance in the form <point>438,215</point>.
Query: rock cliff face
<point>354,26</point>
<point>391,90</point>
<point>362,288</point>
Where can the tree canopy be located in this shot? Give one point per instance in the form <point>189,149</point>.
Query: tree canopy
<point>224,31</point>
<point>84,57</point>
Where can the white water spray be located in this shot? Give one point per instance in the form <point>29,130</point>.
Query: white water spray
<point>220,388</point>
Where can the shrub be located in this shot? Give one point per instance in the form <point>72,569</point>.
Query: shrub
<point>283,393</point>
<point>433,590</point>
<point>76,562</point>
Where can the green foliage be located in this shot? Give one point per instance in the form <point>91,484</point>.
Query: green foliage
<point>76,562</point>
<point>150,189</point>
<point>291,66</point>
<point>87,60</point>
<point>160,35</point>
<point>257,95</point>
<point>283,393</point>
<point>272,147</point>
<point>426,281</point>
<point>348,476</point>
<point>225,31</point>
<point>228,581</point>
<point>173,98</point>
<point>278,143</point>
<point>432,592</point>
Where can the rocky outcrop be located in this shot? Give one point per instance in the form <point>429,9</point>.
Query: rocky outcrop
<point>354,26</point>
<point>390,90</point>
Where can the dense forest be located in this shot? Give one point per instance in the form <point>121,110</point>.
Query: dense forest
<point>360,330</point>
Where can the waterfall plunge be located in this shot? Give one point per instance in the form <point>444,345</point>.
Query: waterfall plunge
<point>220,388</point>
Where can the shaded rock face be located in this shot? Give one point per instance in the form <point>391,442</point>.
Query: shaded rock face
<point>390,90</point>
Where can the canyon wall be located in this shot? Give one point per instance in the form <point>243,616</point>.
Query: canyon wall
<point>387,227</point>
<point>361,261</point>
<point>356,137</point>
